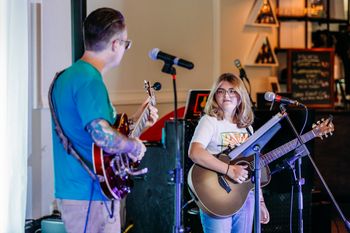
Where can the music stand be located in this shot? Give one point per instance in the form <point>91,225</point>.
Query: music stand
<point>253,145</point>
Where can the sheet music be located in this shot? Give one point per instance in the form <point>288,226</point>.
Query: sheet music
<point>264,133</point>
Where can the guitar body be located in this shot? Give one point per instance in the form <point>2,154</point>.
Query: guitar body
<point>212,198</point>
<point>209,190</point>
<point>114,184</point>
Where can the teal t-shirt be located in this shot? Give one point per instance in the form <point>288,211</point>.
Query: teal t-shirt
<point>80,96</point>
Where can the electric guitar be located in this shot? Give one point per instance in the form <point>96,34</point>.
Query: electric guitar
<point>220,196</point>
<point>114,171</point>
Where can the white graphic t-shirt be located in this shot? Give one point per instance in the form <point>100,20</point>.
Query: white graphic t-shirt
<point>216,135</point>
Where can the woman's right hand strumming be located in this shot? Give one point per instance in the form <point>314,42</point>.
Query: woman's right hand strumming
<point>238,173</point>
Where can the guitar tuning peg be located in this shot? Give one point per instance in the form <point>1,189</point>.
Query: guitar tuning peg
<point>318,122</point>
<point>326,135</point>
<point>313,125</point>
<point>321,137</point>
<point>322,119</point>
<point>331,133</point>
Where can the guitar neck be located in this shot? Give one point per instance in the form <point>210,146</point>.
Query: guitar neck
<point>286,148</point>
<point>140,124</point>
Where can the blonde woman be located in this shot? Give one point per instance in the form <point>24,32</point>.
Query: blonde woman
<point>227,122</point>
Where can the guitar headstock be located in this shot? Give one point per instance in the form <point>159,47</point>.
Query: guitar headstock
<point>150,91</point>
<point>323,127</point>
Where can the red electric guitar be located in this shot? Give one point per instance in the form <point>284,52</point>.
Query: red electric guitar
<point>115,170</point>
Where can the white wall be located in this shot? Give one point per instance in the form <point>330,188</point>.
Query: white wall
<point>210,33</point>
<point>182,28</point>
<point>54,33</point>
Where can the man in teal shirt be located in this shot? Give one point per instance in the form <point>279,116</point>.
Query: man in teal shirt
<point>86,114</point>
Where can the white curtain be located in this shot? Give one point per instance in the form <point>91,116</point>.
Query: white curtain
<point>13,114</point>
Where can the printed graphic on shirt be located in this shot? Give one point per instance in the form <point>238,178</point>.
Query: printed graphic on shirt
<point>233,139</point>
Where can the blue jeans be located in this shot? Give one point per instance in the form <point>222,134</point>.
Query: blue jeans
<point>241,222</point>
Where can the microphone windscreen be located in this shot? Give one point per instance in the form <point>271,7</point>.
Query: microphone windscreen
<point>153,53</point>
<point>157,86</point>
<point>269,96</point>
<point>237,63</point>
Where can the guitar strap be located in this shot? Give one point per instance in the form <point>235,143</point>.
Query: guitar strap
<point>249,131</point>
<point>60,133</point>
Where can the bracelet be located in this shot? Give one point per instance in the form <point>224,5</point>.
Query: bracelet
<point>228,166</point>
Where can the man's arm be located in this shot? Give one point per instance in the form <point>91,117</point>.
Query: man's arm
<point>111,141</point>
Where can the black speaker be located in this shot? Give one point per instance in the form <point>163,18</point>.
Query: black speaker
<point>281,220</point>
<point>332,156</point>
<point>150,206</point>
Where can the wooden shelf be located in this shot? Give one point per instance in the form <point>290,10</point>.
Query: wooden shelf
<point>263,14</point>
<point>311,19</point>
<point>262,54</point>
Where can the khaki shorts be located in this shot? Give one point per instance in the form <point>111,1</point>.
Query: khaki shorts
<point>74,216</point>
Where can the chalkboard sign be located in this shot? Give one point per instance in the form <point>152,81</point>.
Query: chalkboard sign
<point>310,76</point>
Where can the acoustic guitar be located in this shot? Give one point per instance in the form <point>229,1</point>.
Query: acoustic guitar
<point>114,171</point>
<point>220,196</point>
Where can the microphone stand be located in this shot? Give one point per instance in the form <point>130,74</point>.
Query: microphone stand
<point>177,172</point>
<point>257,180</point>
<point>243,76</point>
<point>300,181</point>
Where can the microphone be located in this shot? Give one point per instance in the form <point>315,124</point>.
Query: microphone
<point>272,97</point>
<point>242,73</point>
<point>155,54</point>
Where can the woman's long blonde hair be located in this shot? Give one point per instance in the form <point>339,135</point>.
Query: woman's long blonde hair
<point>243,115</point>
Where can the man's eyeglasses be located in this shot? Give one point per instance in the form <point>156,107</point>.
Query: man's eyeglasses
<point>127,43</point>
<point>222,92</point>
